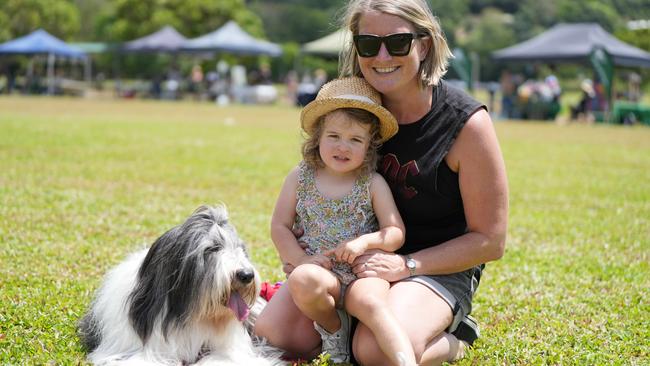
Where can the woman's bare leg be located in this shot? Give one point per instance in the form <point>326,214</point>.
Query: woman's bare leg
<point>423,315</point>
<point>286,327</point>
<point>367,300</point>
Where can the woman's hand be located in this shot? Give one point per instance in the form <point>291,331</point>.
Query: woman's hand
<point>377,263</point>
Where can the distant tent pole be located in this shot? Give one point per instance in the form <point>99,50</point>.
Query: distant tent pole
<point>88,71</point>
<point>50,73</point>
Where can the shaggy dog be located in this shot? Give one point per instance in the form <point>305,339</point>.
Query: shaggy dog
<point>184,300</point>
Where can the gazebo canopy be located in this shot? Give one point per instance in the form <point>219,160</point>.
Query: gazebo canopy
<point>167,39</point>
<point>230,38</point>
<point>330,45</point>
<point>40,42</point>
<point>574,43</point>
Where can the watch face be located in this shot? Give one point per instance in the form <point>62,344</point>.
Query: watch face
<point>410,263</point>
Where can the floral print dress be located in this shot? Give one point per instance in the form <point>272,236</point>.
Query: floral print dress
<point>328,222</point>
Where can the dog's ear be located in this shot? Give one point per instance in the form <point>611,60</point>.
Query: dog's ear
<point>148,296</point>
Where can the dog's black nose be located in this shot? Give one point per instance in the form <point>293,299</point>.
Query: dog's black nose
<point>245,275</point>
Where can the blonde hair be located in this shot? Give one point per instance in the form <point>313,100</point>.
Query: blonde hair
<point>418,14</point>
<point>311,145</point>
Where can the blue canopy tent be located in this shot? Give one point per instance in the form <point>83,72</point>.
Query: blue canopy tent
<point>167,39</point>
<point>41,42</point>
<point>230,38</point>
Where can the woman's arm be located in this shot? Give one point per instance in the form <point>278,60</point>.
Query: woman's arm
<point>477,158</point>
<point>284,216</point>
<point>390,235</point>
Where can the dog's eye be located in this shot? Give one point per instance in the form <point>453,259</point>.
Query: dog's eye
<point>213,249</point>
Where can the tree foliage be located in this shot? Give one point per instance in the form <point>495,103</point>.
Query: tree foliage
<point>298,21</point>
<point>450,14</point>
<point>20,17</point>
<point>570,11</point>
<point>130,19</point>
<point>489,32</point>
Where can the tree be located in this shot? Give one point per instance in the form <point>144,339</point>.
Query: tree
<point>130,19</point>
<point>489,32</point>
<point>89,12</point>
<point>603,13</point>
<point>450,14</point>
<point>20,17</point>
<point>506,6</point>
<point>632,9</point>
<point>298,21</point>
<point>533,18</point>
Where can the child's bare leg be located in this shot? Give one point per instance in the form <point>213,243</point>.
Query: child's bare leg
<point>315,291</point>
<point>366,299</point>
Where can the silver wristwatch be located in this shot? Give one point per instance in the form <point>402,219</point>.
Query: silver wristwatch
<point>410,264</point>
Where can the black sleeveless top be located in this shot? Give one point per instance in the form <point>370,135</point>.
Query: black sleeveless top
<point>425,189</point>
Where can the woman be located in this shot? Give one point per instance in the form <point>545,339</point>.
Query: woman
<point>448,179</point>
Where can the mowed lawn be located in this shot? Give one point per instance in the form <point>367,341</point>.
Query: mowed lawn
<point>84,182</point>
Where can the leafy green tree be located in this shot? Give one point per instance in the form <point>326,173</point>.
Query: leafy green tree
<point>20,17</point>
<point>506,6</point>
<point>131,19</point>
<point>600,12</point>
<point>298,21</point>
<point>89,11</point>
<point>632,9</point>
<point>489,32</point>
<point>450,14</point>
<point>534,17</point>
<point>639,38</point>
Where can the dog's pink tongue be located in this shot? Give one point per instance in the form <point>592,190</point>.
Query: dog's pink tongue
<point>238,306</point>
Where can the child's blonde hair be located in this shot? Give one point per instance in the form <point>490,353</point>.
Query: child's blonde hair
<point>311,145</point>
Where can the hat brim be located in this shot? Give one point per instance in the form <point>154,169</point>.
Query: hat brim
<point>317,108</point>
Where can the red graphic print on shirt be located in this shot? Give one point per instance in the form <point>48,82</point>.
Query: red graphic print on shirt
<point>395,174</point>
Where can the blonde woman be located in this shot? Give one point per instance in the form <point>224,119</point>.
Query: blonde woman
<point>448,179</point>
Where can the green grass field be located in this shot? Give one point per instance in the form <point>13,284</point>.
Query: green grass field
<point>83,183</point>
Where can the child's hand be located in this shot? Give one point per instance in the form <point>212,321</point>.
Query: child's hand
<point>317,259</point>
<point>347,251</point>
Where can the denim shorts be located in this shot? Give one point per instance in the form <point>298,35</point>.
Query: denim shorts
<point>457,289</point>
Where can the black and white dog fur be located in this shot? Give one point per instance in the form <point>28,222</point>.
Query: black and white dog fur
<point>184,300</point>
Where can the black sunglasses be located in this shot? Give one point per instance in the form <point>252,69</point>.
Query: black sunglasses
<point>398,44</point>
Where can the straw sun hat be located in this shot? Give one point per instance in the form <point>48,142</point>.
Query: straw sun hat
<point>350,92</point>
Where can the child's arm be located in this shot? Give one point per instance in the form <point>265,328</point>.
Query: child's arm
<point>390,236</point>
<point>284,216</point>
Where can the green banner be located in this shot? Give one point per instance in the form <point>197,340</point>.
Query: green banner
<point>604,67</point>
